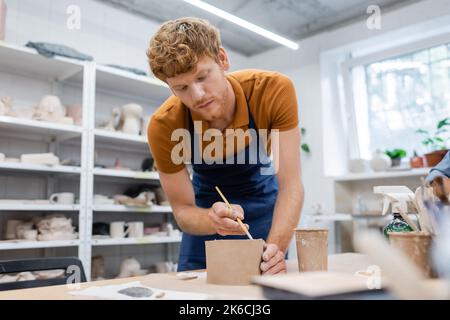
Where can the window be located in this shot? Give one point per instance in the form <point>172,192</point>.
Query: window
<point>394,97</point>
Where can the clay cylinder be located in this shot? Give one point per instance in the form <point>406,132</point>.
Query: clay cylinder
<point>312,249</point>
<point>233,262</point>
<point>416,245</point>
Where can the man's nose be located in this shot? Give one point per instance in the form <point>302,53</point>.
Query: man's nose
<point>198,92</point>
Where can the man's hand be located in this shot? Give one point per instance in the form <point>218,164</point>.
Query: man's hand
<point>224,219</point>
<point>273,260</point>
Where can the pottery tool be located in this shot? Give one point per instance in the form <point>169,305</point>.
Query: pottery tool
<point>243,227</point>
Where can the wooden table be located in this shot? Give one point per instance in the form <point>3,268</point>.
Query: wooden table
<point>346,262</point>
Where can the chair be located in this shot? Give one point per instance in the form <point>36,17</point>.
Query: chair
<point>70,265</point>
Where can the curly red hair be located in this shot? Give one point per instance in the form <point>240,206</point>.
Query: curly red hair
<point>178,44</point>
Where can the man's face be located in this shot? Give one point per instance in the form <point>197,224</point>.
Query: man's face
<point>204,90</point>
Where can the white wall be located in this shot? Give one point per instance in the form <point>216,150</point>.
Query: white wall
<point>309,68</point>
<point>110,35</point>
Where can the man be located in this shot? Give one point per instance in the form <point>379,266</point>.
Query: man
<point>212,106</point>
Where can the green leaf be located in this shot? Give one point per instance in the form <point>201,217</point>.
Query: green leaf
<point>305,147</point>
<point>443,123</point>
<point>422,131</point>
<point>396,153</point>
<point>438,139</point>
<point>303,131</point>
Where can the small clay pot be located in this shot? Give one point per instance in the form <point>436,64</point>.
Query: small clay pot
<point>433,158</point>
<point>416,246</point>
<point>312,249</point>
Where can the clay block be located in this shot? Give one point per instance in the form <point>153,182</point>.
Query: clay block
<point>233,262</point>
<point>40,158</point>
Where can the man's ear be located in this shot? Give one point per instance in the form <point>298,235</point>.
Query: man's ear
<point>223,60</point>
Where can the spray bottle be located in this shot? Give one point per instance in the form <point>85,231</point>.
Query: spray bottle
<point>397,197</point>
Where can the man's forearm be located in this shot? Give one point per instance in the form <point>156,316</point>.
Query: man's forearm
<point>286,215</point>
<point>194,220</point>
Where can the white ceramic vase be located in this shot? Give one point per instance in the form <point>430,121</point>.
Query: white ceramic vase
<point>132,115</point>
<point>380,161</point>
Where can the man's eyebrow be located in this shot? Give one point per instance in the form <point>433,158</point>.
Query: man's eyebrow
<point>201,72</point>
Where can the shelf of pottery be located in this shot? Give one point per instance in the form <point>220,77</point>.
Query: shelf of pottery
<point>76,174</point>
<point>41,161</point>
<point>129,209</point>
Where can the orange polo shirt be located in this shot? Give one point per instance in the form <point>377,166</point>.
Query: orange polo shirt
<point>272,100</point>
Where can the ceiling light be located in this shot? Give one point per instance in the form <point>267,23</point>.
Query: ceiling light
<point>243,23</point>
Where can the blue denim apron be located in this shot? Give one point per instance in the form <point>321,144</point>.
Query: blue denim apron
<point>241,184</point>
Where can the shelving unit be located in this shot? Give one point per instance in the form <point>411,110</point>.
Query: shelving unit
<point>353,195</point>
<point>98,88</point>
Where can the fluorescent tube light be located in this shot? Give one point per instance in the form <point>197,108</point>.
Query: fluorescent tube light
<point>243,23</point>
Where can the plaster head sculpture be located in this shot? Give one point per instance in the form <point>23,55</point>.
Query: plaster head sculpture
<point>132,116</point>
<point>130,267</point>
<point>50,109</point>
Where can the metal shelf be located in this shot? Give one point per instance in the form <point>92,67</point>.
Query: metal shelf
<point>38,130</point>
<point>111,136</point>
<point>20,166</point>
<point>382,175</point>
<point>38,207</point>
<point>135,241</point>
<point>126,174</point>
<point>120,208</point>
<point>116,80</point>
<point>23,244</point>
<point>24,60</point>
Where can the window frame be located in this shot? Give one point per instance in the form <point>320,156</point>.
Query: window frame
<point>347,76</point>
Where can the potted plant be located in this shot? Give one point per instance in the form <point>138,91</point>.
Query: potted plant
<point>396,156</point>
<point>435,142</point>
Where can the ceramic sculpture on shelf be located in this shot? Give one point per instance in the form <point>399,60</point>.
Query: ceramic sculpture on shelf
<point>132,119</point>
<point>380,161</point>
<point>98,268</point>
<point>7,109</point>
<point>144,199</point>
<point>358,166</point>
<point>114,122</point>
<point>6,104</point>
<point>56,227</point>
<point>130,267</point>
<point>50,109</point>
<point>76,113</point>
